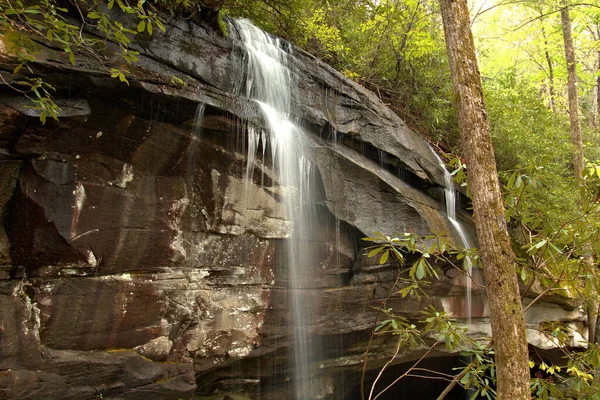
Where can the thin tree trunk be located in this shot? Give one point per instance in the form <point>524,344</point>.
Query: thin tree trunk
<point>595,114</point>
<point>592,303</point>
<point>573,97</point>
<point>506,312</point>
<point>550,73</point>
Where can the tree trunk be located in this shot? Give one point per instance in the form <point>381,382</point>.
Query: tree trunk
<point>595,113</point>
<point>506,312</point>
<point>550,72</point>
<point>592,302</point>
<point>573,97</point>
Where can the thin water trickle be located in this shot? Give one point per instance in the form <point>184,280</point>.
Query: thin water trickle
<point>198,119</point>
<point>450,196</point>
<point>382,157</point>
<point>268,82</point>
<point>194,140</point>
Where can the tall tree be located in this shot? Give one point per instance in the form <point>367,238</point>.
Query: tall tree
<point>592,303</point>
<point>550,71</point>
<point>506,312</point>
<point>595,109</point>
<point>572,93</point>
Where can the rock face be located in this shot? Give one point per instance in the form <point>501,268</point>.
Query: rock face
<point>137,261</point>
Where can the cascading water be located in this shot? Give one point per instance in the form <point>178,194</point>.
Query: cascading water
<point>450,195</point>
<point>269,83</point>
<point>194,140</point>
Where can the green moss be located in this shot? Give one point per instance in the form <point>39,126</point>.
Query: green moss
<point>223,27</point>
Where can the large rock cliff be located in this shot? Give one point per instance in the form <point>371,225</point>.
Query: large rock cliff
<point>136,259</point>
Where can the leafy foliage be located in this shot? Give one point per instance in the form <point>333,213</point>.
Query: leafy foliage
<point>558,255</point>
<point>78,26</point>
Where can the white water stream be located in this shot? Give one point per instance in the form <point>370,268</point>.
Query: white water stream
<point>450,195</point>
<point>269,83</point>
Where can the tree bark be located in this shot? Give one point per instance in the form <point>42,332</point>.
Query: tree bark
<point>592,303</point>
<point>506,312</point>
<point>573,97</point>
<point>595,113</point>
<point>550,72</point>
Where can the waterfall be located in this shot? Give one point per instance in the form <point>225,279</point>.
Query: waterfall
<point>194,138</point>
<point>198,116</point>
<point>450,196</point>
<point>268,82</point>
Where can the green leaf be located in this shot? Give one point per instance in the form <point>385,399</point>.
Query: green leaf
<point>149,26</point>
<point>518,181</point>
<point>555,248</point>
<point>420,273</point>
<point>384,257</point>
<point>160,25</point>
<point>141,26</point>
<point>434,272</point>
<point>371,239</point>
<point>383,324</point>
<point>466,264</point>
<point>465,380</point>
<point>511,180</point>
<point>533,249</point>
<point>111,4</point>
<point>374,252</point>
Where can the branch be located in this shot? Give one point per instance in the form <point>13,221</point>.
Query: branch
<point>366,356</point>
<point>554,12</point>
<point>384,367</point>
<point>409,370</point>
<point>456,379</point>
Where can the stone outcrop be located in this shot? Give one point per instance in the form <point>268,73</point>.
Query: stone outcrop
<point>136,260</point>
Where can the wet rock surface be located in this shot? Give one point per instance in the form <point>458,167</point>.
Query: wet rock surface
<point>138,261</point>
